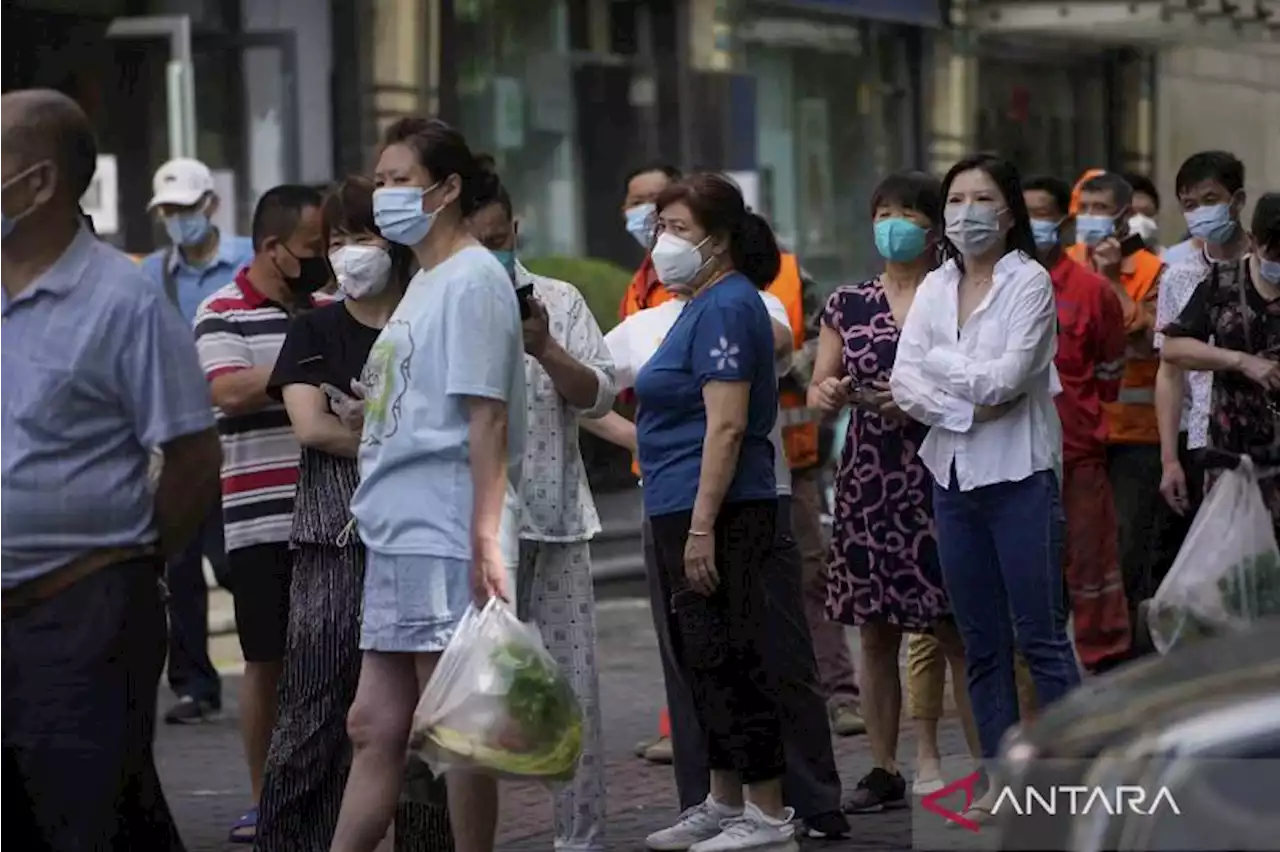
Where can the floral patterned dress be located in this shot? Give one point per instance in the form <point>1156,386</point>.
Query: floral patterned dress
<point>884,556</point>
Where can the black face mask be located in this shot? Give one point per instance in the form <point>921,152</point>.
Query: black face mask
<point>313,274</point>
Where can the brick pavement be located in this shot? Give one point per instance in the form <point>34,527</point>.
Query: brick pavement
<point>208,787</point>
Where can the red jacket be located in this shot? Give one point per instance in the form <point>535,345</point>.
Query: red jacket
<point>1090,361</point>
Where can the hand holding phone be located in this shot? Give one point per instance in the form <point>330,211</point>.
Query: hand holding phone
<point>348,409</point>
<point>833,394</point>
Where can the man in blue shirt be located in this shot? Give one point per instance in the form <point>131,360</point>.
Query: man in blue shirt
<point>97,370</point>
<point>200,258</point>
<point>199,261</point>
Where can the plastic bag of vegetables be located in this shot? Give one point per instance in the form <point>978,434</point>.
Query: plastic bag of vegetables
<point>498,702</point>
<point>1227,574</point>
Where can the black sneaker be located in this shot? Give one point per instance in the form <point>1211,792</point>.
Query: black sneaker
<point>878,791</point>
<point>191,711</point>
<point>829,826</point>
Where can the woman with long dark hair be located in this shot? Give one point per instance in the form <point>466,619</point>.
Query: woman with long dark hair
<point>322,355</point>
<point>975,363</point>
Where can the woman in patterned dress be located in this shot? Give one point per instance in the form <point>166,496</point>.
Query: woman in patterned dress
<point>884,576</point>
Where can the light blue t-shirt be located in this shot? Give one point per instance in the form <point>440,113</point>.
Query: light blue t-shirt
<point>456,334</point>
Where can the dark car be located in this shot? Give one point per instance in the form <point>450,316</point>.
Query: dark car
<point>1174,752</point>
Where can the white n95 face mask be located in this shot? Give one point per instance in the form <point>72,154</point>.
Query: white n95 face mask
<point>1145,227</point>
<point>676,260</point>
<point>361,270</point>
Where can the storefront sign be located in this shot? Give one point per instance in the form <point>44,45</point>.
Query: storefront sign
<point>923,13</point>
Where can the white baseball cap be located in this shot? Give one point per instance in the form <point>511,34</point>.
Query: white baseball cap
<point>181,182</point>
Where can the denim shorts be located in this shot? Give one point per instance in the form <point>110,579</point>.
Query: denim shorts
<point>413,603</point>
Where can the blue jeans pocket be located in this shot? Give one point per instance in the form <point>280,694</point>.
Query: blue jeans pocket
<point>703,626</point>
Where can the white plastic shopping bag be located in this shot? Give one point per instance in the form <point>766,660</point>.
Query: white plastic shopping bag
<point>498,702</point>
<point>1227,574</point>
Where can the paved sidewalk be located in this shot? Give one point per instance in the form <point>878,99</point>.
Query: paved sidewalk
<point>207,785</point>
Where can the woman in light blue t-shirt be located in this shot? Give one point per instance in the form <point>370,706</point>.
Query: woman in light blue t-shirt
<point>443,421</point>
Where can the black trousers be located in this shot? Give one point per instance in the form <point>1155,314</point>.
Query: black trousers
<point>1174,527</point>
<point>811,781</point>
<point>717,639</point>
<point>81,673</point>
<point>191,672</point>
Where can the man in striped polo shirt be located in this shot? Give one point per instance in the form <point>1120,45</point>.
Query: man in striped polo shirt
<point>239,331</point>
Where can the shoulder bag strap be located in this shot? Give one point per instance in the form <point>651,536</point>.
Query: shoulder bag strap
<point>170,276</point>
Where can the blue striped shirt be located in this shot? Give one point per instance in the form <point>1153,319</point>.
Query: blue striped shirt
<point>97,369</point>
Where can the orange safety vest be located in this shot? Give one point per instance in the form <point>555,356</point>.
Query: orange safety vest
<point>799,422</point>
<point>1131,419</point>
<point>644,291</point>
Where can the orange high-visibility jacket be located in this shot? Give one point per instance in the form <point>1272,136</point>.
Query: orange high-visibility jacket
<point>1131,419</point>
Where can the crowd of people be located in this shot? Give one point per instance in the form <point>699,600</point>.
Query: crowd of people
<point>367,414</point>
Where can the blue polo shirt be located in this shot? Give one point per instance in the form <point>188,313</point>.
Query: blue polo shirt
<point>97,369</point>
<point>724,335</point>
<point>197,283</point>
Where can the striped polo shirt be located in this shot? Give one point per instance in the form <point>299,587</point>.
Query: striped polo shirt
<point>239,328</point>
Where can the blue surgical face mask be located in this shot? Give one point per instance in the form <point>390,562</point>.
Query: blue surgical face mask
<point>640,224</point>
<point>398,213</point>
<point>1092,230</point>
<point>1213,224</point>
<point>900,240</point>
<point>187,229</point>
<point>974,229</point>
<point>507,257</point>
<point>1269,270</point>
<point>1045,232</point>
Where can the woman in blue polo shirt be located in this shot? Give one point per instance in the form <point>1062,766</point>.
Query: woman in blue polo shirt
<point>708,399</point>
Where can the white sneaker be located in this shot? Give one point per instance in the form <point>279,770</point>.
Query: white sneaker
<point>700,822</point>
<point>753,830</point>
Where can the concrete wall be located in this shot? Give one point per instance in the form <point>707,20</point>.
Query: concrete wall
<point>1211,98</point>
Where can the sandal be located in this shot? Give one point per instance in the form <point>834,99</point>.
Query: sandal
<point>246,828</point>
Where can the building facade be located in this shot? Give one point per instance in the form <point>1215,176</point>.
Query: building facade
<point>840,90</point>
<point>242,84</point>
<point>1138,86</point>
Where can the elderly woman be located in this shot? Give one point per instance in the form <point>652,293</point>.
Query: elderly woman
<point>708,401</point>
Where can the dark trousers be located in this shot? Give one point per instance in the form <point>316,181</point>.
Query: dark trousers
<point>811,782</point>
<point>717,639</point>
<point>1001,549</point>
<point>81,672</point>
<point>191,672</point>
<point>1134,470</point>
<point>1173,528</point>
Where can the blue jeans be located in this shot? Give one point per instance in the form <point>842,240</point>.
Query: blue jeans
<point>1001,548</point>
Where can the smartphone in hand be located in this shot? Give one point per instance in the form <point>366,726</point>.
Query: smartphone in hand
<point>524,294</point>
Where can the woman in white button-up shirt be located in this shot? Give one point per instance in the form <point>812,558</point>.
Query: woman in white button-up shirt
<point>975,363</point>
